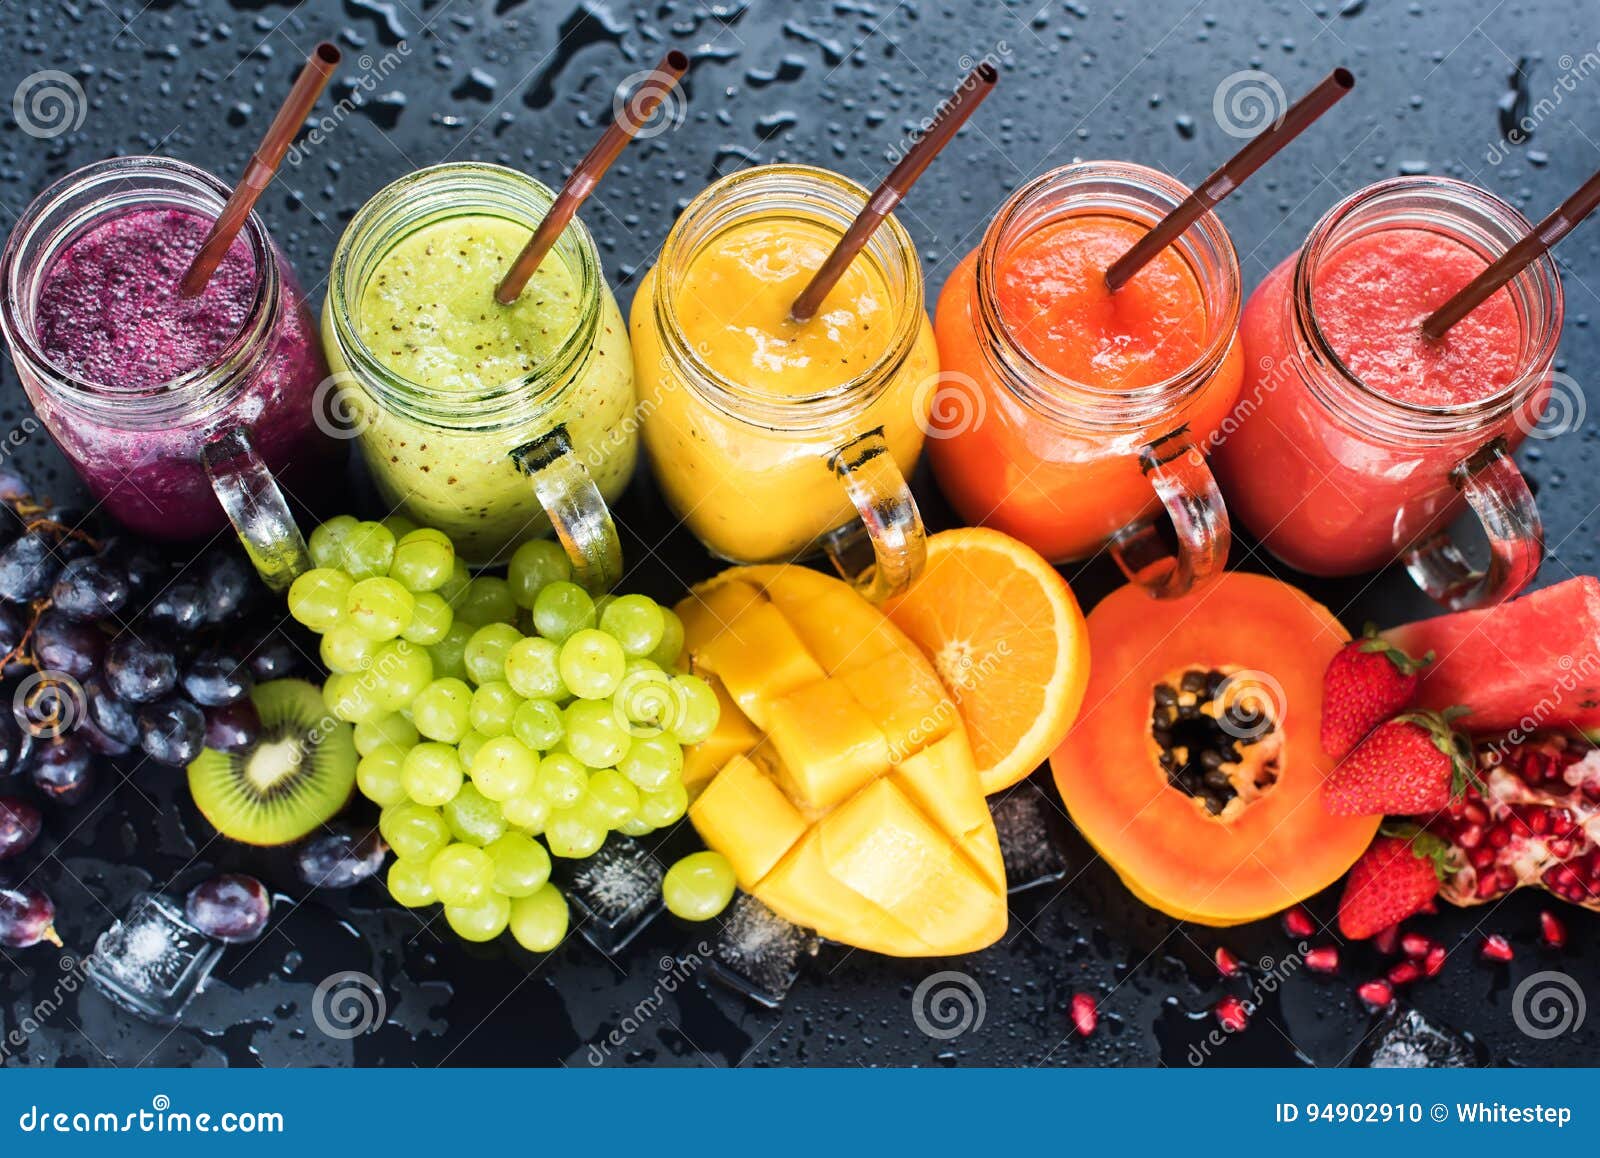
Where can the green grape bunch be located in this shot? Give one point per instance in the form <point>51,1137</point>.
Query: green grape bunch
<point>500,722</point>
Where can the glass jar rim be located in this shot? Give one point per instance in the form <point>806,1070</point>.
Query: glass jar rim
<point>1448,193</point>
<point>193,189</point>
<point>1060,396</point>
<point>827,198</point>
<point>401,207</point>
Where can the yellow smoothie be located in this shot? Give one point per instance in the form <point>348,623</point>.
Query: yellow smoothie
<point>427,313</point>
<point>761,490</point>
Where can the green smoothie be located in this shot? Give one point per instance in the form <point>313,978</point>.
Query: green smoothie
<point>428,314</point>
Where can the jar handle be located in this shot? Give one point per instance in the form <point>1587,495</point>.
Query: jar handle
<point>889,519</point>
<point>254,503</point>
<point>1500,497</point>
<point>1183,482</point>
<point>576,509</point>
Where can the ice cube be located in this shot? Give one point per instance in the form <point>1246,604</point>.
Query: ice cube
<point>759,954</point>
<point>1028,824</point>
<point>617,892</point>
<point>152,962</point>
<point>1409,1041</point>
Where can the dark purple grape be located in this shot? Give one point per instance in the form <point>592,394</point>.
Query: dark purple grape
<point>180,607</point>
<point>232,727</point>
<point>47,704</point>
<point>62,769</point>
<point>112,717</point>
<point>172,732</point>
<point>215,678</point>
<point>20,823</point>
<point>13,487</point>
<point>340,859</point>
<point>89,588</point>
<point>232,908</point>
<point>228,584</point>
<point>100,742</point>
<point>146,570</point>
<point>273,658</point>
<point>140,670</point>
<point>14,745</point>
<point>13,625</point>
<point>27,568</point>
<point>26,917</point>
<point>64,645</point>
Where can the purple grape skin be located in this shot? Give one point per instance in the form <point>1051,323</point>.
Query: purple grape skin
<point>340,860</point>
<point>26,917</point>
<point>232,727</point>
<point>20,823</point>
<point>232,908</point>
<point>63,769</point>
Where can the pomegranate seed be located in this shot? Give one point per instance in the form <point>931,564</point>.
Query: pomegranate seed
<point>1433,963</point>
<point>1555,933</point>
<point>1386,941</point>
<point>1297,922</point>
<point>1469,837</point>
<point>1496,948</point>
<point>1404,972</point>
<point>1227,963</point>
<point>1416,944</point>
<point>1377,994</point>
<point>1323,960</point>
<point>1085,1014</point>
<point>1232,1014</point>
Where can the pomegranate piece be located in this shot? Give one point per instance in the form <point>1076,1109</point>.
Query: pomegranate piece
<point>1416,944</point>
<point>1298,923</point>
<point>1227,963</point>
<point>1323,959</point>
<point>1232,1014</point>
<point>1388,941</point>
<point>1552,930</point>
<point>1496,948</point>
<point>1085,1014</point>
<point>1404,972</point>
<point>1377,994</point>
<point>1528,822</point>
<point>1433,963</point>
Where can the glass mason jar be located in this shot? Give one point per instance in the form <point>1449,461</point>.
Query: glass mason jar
<point>1335,477</point>
<point>1072,466</point>
<point>182,458</point>
<point>761,476</point>
<point>496,467</point>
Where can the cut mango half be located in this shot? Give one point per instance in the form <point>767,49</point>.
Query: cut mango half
<point>840,782</point>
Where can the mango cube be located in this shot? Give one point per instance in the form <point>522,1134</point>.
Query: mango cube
<point>828,744</point>
<point>747,818</point>
<point>901,693</point>
<point>759,657</point>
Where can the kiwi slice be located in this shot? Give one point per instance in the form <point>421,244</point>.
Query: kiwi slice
<point>296,776</point>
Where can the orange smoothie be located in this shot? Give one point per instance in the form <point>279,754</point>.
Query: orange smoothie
<point>1065,486</point>
<point>744,407</point>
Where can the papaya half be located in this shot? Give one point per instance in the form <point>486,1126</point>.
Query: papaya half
<point>1196,768</point>
<point>839,781</point>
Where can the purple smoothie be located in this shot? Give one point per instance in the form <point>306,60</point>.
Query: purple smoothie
<point>109,314</point>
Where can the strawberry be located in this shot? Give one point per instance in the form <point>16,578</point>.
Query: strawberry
<point>1368,681</point>
<point>1415,763</point>
<point>1395,878</point>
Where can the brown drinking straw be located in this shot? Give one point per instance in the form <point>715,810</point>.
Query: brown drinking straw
<point>655,89</point>
<point>1261,148</point>
<point>1521,255</point>
<point>263,166</point>
<point>976,85</point>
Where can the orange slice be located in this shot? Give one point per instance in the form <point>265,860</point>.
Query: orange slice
<point>1007,637</point>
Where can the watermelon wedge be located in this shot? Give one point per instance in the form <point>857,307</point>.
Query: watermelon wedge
<point>1531,663</point>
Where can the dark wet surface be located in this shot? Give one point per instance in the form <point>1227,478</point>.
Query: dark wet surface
<point>528,83</point>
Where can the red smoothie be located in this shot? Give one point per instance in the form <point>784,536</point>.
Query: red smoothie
<point>1336,476</point>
